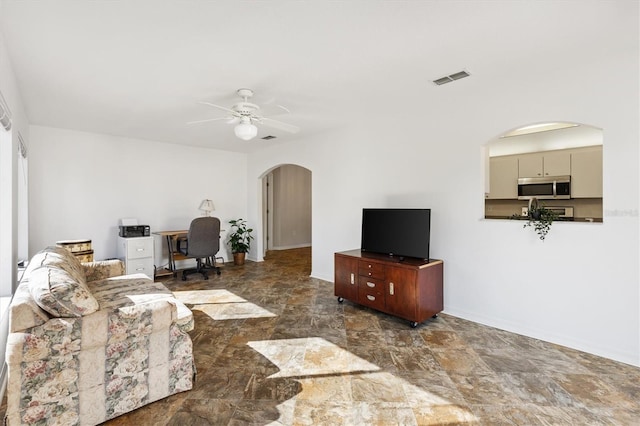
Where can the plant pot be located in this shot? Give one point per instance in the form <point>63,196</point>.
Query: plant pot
<point>238,258</point>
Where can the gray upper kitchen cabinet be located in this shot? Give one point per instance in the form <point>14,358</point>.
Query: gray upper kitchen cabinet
<point>586,173</point>
<point>540,164</point>
<point>503,178</point>
<point>584,165</point>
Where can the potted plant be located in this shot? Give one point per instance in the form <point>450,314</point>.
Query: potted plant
<point>539,218</point>
<point>239,240</point>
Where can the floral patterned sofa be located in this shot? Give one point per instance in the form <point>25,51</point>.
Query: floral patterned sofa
<point>87,343</point>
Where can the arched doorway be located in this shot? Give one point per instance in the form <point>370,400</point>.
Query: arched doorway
<point>286,208</point>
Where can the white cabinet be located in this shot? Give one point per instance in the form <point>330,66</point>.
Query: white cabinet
<point>503,178</point>
<point>549,163</point>
<point>586,173</point>
<point>137,254</point>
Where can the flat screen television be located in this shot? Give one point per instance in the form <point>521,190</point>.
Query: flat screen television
<point>396,232</point>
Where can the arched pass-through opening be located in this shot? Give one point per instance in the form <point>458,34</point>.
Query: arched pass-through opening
<point>558,163</point>
<point>285,210</point>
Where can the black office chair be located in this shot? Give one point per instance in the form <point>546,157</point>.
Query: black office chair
<point>202,243</point>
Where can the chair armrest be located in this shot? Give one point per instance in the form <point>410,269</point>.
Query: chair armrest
<point>102,269</point>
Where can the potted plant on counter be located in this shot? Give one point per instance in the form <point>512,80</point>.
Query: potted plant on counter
<point>539,218</point>
<point>240,240</point>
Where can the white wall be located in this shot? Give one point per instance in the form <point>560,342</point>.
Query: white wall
<point>81,184</point>
<point>579,288</point>
<point>13,236</point>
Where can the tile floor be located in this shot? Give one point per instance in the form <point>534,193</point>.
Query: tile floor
<point>273,346</point>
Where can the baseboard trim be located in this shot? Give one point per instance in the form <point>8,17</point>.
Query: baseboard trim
<point>544,335</point>
<point>291,247</point>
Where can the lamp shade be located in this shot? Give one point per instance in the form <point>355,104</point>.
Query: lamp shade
<point>207,207</point>
<point>245,130</point>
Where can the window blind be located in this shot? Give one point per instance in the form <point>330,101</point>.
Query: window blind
<point>5,114</point>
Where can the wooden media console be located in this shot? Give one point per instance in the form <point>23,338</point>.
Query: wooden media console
<point>406,288</point>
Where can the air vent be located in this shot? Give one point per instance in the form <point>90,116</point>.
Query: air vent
<point>451,77</point>
<point>266,138</point>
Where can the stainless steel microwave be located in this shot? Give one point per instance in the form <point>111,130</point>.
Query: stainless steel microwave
<point>545,188</point>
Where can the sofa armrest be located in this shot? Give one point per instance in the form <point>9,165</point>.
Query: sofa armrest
<point>67,336</point>
<point>24,312</point>
<point>102,269</point>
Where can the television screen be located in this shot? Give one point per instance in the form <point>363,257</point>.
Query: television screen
<point>396,232</point>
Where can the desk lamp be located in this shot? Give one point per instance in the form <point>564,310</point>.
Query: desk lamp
<point>207,207</point>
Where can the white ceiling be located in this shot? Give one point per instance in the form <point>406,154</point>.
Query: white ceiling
<point>139,68</point>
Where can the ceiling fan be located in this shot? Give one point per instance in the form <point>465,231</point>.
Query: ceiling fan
<point>245,115</point>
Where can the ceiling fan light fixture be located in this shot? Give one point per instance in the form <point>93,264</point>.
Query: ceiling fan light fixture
<point>244,114</point>
<point>245,130</point>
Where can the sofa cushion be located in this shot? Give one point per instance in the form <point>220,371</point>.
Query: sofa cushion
<point>60,258</point>
<point>137,289</point>
<point>55,291</point>
<point>102,269</point>
<point>57,284</point>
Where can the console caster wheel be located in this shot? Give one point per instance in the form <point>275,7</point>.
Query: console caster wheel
<point>218,271</point>
<point>434,316</point>
<point>340,299</point>
<point>184,277</point>
<point>413,324</point>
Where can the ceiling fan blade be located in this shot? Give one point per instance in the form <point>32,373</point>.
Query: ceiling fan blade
<point>284,108</point>
<point>272,103</point>
<point>210,119</point>
<point>229,110</point>
<point>279,125</point>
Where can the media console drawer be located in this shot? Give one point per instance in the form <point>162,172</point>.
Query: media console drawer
<point>371,293</point>
<point>370,299</point>
<point>411,289</point>
<point>370,269</point>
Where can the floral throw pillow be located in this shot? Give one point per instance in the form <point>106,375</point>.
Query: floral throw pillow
<point>60,258</point>
<point>59,293</point>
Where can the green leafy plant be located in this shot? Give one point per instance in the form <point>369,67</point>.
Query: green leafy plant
<point>541,221</point>
<point>539,218</point>
<point>240,236</point>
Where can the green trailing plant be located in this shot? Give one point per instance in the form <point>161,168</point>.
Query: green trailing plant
<point>240,236</point>
<point>539,218</point>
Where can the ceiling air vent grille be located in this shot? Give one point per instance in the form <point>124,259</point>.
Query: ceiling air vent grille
<point>266,138</point>
<point>451,77</point>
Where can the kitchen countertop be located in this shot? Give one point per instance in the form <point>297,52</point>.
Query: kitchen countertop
<point>575,219</point>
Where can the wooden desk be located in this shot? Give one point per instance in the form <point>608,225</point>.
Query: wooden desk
<point>172,237</point>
